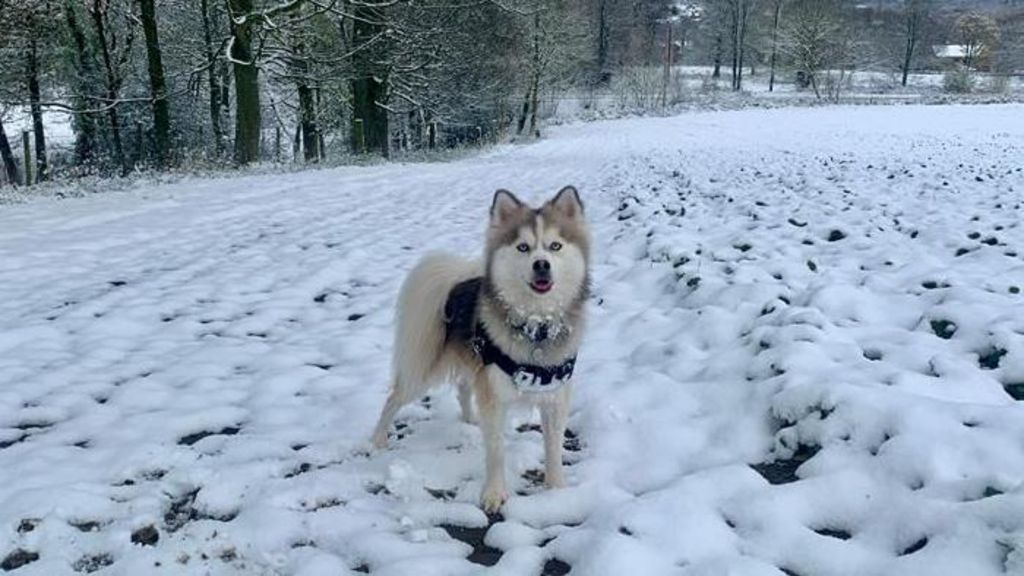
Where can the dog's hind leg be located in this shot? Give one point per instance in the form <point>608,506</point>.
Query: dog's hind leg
<point>396,399</point>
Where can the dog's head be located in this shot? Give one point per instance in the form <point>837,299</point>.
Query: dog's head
<point>537,257</point>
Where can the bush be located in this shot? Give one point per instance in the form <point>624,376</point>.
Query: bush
<point>998,84</point>
<point>708,84</point>
<point>641,87</point>
<point>958,81</point>
<point>638,87</point>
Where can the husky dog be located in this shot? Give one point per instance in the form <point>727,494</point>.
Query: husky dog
<point>506,329</point>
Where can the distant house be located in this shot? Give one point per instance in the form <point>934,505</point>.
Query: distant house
<point>959,54</point>
<point>950,51</point>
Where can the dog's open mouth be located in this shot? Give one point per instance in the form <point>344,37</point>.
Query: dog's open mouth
<point>541,285</point>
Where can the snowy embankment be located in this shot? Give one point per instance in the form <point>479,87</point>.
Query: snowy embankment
<point>807,334</point>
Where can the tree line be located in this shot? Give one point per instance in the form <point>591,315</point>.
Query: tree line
<point>179,82</point>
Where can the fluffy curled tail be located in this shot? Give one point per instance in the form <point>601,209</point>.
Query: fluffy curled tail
<point>420,330</point>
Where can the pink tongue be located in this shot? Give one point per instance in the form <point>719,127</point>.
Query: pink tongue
<point>542,285</point>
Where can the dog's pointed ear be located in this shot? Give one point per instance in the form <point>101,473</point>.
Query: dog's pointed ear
<point>504,207</point>
<point>567,203</point>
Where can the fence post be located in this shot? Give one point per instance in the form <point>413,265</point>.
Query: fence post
<point>27,158</point>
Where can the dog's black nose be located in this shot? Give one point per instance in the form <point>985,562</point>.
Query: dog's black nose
<point>541,266</point>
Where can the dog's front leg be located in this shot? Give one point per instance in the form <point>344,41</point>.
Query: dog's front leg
<point>491,411</point>
<point>553,418</point>
<point>466,402</point>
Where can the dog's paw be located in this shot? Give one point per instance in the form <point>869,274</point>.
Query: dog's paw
<point>379,441</point>
<point>492,499</point>
<point>554,481</point>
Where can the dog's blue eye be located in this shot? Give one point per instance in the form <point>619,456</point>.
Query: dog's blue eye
<point>523,247</point>
<point>555,246</point>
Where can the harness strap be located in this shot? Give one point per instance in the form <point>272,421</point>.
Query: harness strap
<point>525,376</point>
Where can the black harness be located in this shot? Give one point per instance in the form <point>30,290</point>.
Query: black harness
<point>525,376</point>
<point>460,323</point>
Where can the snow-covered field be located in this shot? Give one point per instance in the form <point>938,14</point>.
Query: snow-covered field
<point>807,334</point>
<point>639,91</point>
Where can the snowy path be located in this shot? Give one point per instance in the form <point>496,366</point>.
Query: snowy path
<point>188,374</point>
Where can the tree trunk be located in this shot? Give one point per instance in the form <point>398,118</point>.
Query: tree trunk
<point>602,42</point>
<point>26,153</point>
<point>307,106</point>
<point>717,72</point>
<point>739,33</point>
<point>368,87</point>
<point>775,44</point>
<point>307,111</point>
<point>521,124</point>
<point>733,32</point>
<point>534,104</point>
<point>248,122</point>
<point>320,145</point>
<point>84,123</point>
<point>907,56</point>
<point>535,87</point>
<point>35,105</point>
<point>10,166</point>
<point>913,31</point>
<point>113,85</point>
<point>916,14</point>
<point>157,84</point>
<point>225,86</point>
<point>667,75</point>
<point>213,84</point>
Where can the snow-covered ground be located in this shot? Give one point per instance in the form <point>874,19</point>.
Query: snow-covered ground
<point>807,331</point>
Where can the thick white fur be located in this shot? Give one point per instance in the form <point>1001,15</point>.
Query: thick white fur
<point>419,336</point>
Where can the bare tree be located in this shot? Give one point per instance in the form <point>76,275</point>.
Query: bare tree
<point>915,17</point>
<point>26,25</point>
<point>739,12</point>
<point>776,16</point>
<point>83,75</point>
<point>1010,53</point>
<point>32,75</point>
<point>820,45</point>
<point>555,51</point>
<point>216,97</point>
<point>116,51</point>
<point>979,34</point>
<point>730,22</point>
